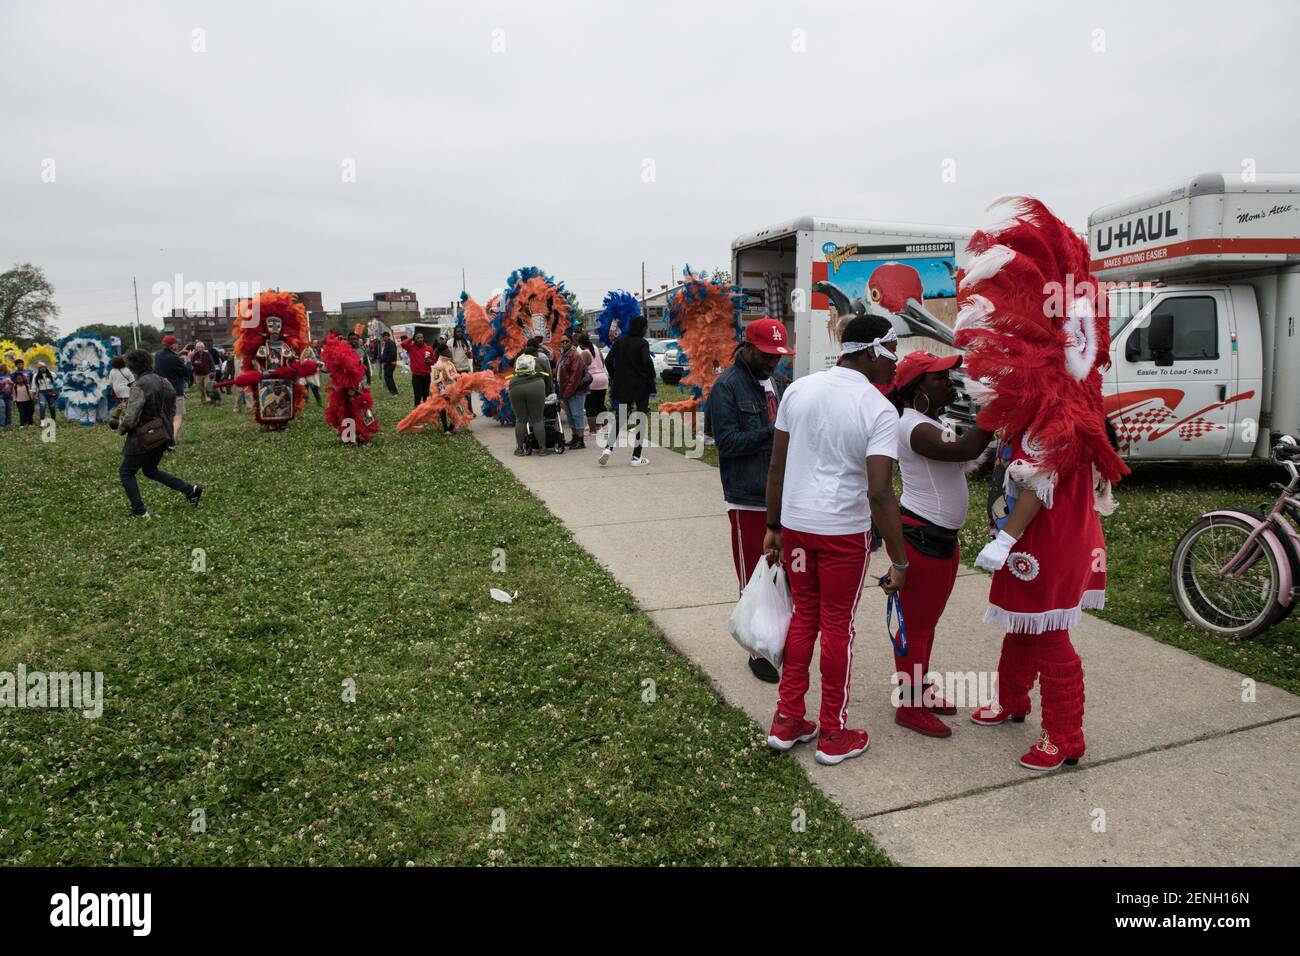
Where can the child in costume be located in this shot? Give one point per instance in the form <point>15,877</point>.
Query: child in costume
<point>1035,348</point>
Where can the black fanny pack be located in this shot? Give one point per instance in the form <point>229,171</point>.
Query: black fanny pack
<point>929,538</point>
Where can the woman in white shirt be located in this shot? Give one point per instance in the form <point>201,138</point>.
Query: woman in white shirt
<point>933,461</point>
<point>119,380</point>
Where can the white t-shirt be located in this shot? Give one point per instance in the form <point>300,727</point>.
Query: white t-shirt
<point>836,420</point>
<point>936,490</point>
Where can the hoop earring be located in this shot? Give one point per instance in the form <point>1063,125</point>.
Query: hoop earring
<point>927,404</point>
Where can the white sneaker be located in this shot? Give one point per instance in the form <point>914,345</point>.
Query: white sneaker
<point>638,462</point>
<point>604,456</point>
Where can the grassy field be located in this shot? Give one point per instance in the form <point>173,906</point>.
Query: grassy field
<point>560,729</point>
<point>1157,503</point>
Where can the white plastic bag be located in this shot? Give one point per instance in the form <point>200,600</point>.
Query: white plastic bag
<point>763,613</point>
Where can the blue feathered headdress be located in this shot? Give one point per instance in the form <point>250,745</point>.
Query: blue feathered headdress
<point>84,361</point>
<point>621,307</point>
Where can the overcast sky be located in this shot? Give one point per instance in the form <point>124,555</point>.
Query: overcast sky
<point>490,135</point>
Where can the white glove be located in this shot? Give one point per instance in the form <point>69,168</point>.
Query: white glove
<point>995,552</point>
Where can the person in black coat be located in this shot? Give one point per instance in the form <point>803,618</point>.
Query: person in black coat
<point>152,397</point>
<point>169,365</point>
<point>631,383</point>
<point>388,359</point>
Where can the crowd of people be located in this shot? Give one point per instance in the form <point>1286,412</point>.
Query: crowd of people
<point>27,395</point>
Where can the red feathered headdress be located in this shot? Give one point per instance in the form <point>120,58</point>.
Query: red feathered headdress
<point>1032,325</point>
<point>250,324</point>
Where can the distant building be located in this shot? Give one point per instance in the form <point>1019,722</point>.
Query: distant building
<point>655,309</point>
<point>216,327</point>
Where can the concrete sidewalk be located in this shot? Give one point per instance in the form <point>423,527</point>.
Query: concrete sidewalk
<point>1183,770</point>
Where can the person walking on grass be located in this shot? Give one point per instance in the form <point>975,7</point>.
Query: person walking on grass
<point>150,405</point>
<point>312,354</point>
<point>24,393</point>
<point>741,417</point>
<point>388,360</point>
<point>933,461</point>
<point>462,357</point>
<point>599,382</point>
<point>201,362</point>
<point>830,483</point>
<point>632,382</point>
<point>442,375</point>
<point>47,392</point>
<point>422,358</point>
<point>167,364</point>
<point>528,390</point>
<point>573,383</point>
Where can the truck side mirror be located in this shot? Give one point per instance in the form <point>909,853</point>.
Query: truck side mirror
<point>1160,338</point>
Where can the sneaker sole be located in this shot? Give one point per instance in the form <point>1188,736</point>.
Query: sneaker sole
<point>830,761</point>
<point>995,723</point>
<point>603,459</point>
<point>776,743</point>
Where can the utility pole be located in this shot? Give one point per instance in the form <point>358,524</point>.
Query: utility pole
<point>135,329</point>
<point>462,278</point>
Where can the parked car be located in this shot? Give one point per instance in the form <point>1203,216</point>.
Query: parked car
<point>675,366</point>
<point>658,353</point>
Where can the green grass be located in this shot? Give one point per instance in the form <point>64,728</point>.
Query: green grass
<point>224,687</point>
<point>1157,503</point>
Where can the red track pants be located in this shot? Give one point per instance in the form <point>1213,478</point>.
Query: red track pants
<point>748,528</point>
<point>1050,658</point>
<point>922,600</point>
<point>825,574</point>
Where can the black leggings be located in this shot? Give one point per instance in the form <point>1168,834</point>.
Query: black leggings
<point>622,412</point>
<point>595,405</point>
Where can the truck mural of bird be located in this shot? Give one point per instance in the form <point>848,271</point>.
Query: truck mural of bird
<point>895,292</point>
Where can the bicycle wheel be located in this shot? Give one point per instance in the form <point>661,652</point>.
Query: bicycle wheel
<point>1235,607</point>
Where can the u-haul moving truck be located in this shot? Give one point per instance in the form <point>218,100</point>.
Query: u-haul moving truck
<point>1204,345</point>
<point>907,269</point>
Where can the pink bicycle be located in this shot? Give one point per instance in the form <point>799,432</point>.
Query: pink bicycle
<point>1234,572</point>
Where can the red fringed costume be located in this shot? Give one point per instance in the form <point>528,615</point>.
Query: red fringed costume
<point>1036,341</point>
<point>454,400</point>
<point>271,335</point>
<point>350,409</point>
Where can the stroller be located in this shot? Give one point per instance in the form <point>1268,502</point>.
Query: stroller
<point>554,433</point>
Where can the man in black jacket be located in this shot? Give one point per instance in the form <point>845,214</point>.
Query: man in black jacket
<point>631,383</point>
<point>152,397</point>
<point>741,416</point>
<point>170,366</point>
<point>388,358</point>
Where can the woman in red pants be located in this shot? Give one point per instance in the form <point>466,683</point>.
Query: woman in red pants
<point>1035,347</point>
<point>933,460</point>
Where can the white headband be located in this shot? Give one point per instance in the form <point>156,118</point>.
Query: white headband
<point>876,345</point>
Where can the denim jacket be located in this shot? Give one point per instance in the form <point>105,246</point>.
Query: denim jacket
<point>736,417</point>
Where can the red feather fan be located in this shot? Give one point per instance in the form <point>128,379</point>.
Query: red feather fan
<point>349,398</point>
<point>1033,328</point>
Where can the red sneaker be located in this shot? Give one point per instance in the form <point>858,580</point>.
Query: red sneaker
<point>922,721</point>
<point>788,731</point>
<point>1045,755</point>
<point>993,714</point>
<point>939,705</point>
<point>836,746</point>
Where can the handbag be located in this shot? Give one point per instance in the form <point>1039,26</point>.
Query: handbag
<point>152,434</point>
<point>929,538</point>
<point>584,383</point>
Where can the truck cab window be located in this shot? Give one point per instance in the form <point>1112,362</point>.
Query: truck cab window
<point>1196,331</point>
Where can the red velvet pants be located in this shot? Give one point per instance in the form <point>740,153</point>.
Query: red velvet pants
<point>1050,658</point>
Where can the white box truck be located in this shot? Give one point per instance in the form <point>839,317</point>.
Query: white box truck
<point>809,272</point>
<point>1205,352</point>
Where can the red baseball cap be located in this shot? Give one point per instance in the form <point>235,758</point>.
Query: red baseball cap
<point>769,336</point>
<point>169,340</point>
<point>915,364</point>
